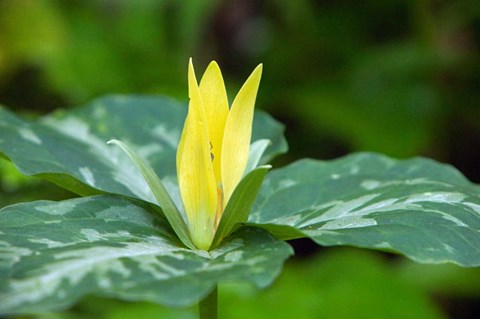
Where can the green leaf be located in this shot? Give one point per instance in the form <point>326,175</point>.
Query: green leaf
<point>53,253</point>
<point>422,209</point>
<point>69,147</point>
<point>240,204</point>
<point>163,199</point>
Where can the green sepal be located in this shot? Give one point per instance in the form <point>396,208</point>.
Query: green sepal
<point>161,195</point>
<point>240,204</point>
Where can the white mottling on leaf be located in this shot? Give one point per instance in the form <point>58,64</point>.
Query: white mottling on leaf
<point>104,270</point>
<point>383,245</point>
<point>370,184</point>
<point>202,253</point>
<point>87,175</point>
<point>92,235</point>
<point>99,112</point>
<point>226,248</point>
<point>55,209</point>
<point>385,205</point>
<point>234,256</point>
<point>11,253</point>
<point>29,135</point>
<point>349,222</point>
<point>374,184</point>
<point>339,209</point>
<point>354,169</point>
<point>73,266</point>
<point>284,183</point>
<point>436,197</point>
<point>159,269</point>
<point>104,282</point>
<point>146,151</point>
<point>156,241</point>
<point>48,242</point>
<point>292,220</point>
<point>171,137</point>
<point>322,232</point>
<point>449,248</point>
<point>473,206</point>
<point>334,176</point>
<point>121,167</point>
<point>255,261</point>
<point>70,126</point>
<point>453,219</point>
<point>355,212</point>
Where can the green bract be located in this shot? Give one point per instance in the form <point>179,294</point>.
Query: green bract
<point>117,242</point>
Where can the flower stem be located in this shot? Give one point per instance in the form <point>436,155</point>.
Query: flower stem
<point>208,306</point>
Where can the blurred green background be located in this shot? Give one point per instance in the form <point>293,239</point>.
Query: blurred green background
<point>397,77</point>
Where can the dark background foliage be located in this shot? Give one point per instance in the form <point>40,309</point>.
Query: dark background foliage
<point>397,77</point>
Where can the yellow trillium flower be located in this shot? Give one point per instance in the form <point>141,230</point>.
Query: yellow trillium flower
<point>214,149</point>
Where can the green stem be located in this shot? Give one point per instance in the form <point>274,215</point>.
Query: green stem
<point>208,306</point>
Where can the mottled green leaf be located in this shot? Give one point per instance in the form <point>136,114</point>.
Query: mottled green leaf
<point>52,253</point>
<point>69,147</point>
<point>425,210</point>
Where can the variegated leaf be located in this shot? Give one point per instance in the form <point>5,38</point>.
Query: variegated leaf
<point>52,253</point>
<point>425,210</point>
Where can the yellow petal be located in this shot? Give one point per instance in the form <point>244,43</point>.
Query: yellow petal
<point>195,171</point>
<point>238,132</point>
<point>215,103</point>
